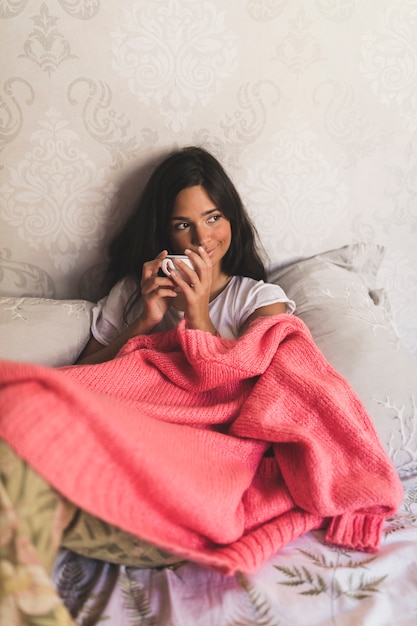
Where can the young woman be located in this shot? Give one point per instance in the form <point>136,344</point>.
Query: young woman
<point>189,206</point>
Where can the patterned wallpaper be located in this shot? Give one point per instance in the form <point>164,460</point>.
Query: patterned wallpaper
<point>311,105</point>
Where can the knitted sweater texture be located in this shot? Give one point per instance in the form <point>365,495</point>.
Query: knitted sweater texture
<point>168,441</point>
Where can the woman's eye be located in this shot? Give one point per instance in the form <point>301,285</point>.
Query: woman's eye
<point>214,218</point>
<point>181,226</point>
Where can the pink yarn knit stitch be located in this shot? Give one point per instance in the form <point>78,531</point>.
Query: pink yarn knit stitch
<point>168,442</point>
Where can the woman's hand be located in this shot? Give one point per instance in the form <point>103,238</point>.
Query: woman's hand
<point>196,289</point>
<point>157,293</point>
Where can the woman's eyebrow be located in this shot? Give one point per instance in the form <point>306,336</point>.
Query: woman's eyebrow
<point>187,219</point>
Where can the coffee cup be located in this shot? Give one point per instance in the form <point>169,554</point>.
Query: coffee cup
<point>169,265</point>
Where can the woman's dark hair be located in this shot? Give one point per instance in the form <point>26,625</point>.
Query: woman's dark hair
<point>146,232</point>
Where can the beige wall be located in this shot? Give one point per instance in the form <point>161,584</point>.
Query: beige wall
<point>310,104</point>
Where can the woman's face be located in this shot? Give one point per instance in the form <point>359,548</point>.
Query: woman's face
<point>196,221</point>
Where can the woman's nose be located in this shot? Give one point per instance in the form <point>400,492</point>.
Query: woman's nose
<point>200,235</point>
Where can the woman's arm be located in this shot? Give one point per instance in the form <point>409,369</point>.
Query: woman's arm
<point>95,352</point>
<point>277,308</point>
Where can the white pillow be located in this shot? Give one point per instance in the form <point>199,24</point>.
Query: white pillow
<point>351,323</point>
<point>45,331</point>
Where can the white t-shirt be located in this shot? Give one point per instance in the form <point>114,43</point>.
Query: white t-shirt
<point>228,311</point>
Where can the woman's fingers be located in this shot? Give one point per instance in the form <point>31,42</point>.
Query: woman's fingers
<point>192,282</point>
<point>195,283</point>
<point>200,259</point>
<point>151,268</point>
<point>202,266</point>
<point>154,285</point>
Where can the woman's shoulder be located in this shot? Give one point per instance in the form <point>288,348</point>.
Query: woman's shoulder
<point>123,289</point>
<point>240,299</point>
<point>244,284</point>
<point>108,314</point>
<point>244,292</point>
<point>118,296</point>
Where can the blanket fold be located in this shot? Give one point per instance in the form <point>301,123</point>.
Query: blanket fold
<point>168,442</point>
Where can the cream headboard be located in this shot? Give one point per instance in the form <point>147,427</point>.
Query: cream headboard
<point>310,105</point>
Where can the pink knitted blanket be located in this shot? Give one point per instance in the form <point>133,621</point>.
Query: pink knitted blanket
<point>168,442</point>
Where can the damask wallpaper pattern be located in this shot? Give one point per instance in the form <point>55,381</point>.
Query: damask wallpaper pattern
<point>310,104</point>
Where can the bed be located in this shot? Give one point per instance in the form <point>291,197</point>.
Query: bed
<point>321,144</point>
<point>349,317</point>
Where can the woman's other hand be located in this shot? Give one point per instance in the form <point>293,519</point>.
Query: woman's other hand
<point>157,293</point>
<point>196,290</point>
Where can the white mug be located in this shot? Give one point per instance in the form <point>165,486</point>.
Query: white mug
<point>168,265</point>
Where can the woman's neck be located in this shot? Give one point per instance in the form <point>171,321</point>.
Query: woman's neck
<point>218,285</point>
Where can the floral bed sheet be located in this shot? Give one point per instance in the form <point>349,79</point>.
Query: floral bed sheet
<point>307,583</point>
